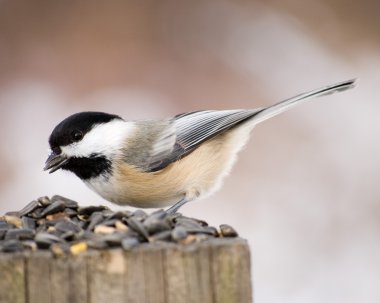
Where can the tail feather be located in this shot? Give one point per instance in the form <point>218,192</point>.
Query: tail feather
<point>284,105</point>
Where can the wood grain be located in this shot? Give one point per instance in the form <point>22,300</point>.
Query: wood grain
<point>12,279</point>
<point>214,271</point>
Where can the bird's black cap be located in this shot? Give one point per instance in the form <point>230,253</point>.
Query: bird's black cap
<point>74,127</point>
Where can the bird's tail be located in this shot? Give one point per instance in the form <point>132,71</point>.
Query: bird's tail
<point>284,105</point>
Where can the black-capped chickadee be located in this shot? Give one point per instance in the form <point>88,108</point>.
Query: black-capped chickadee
<point>164,162</point>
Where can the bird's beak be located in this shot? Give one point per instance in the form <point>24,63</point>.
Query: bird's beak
<point>55,162</point>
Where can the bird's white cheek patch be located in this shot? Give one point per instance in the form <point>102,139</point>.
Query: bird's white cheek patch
<point>104,139</point>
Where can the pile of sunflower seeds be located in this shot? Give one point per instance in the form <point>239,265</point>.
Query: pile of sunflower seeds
<point>63,227</point>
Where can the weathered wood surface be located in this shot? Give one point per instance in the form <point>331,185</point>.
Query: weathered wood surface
<point>215,271</point>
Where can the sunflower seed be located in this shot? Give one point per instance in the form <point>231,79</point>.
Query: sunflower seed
<point>36,214</point>
<point>157,222</point>
<point>65,226</point>
<point>139,214</point>
<point>20,234</point>
<point>44,201</point>
<point>45,240</point>
<point>28,223</point>
<point>4,224</point>
<point>11,246</point>
<point>88,210</point>
<point>67,202</point>
<point>179,233</point>
<point>97,243</point>
<point>113,239</point>
<point>110,222</point>
<point>120,215</point>
<point>69,236</point>
<point>60,225</point>
<point>70,212</point>
<point>227,231</point>
<point>30,207</point>
<point>12,214</point>
<point>129,243</point>
<point>95,219</point>
<point>161,236</point>
<point>188,223</point>
<point>138,227</point>
<point>53,208</point>
<point>13,220</point>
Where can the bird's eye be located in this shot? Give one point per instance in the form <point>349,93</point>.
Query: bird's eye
<point>56,150</point>
<point>77,135</point>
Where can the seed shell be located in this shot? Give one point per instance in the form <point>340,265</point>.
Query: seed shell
<point>63,227</point>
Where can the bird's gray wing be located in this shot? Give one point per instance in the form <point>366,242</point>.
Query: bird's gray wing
<point>194,128</point>
<point>184,133</point>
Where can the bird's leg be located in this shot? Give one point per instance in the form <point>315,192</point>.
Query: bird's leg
<point>173,209</point>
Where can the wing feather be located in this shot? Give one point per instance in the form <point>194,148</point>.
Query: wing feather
<point>185,132</point>
<point>192,129</point>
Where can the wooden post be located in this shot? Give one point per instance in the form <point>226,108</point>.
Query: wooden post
<point>214,271</point>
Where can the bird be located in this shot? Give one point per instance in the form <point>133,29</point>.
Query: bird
<point>164,162</point>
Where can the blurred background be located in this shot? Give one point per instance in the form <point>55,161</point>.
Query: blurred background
<point>305,189</point>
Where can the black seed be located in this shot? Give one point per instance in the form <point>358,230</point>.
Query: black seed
<point>139,215</point>
<point>70,212</point>
<point>29,208</point>
<point>179,233</point>
<point>156,225</point>
<point>161,236</point>
<point>188,223</point>
<point>59,224</point>
<point>44,201</point>
<point>158,221</point>
<point>97,243</point>
<point>12,214</point>
<point>138,227</point>
<point>53,208</point>
<point>68,236</point>
<point>211,230</point>
<point>227,231</point>
<point>4,224</point>
<point>207,231</point>
<point>113,240</point>
<point>12,246</point>
<point>45,240</point>
<point>28,223</point>
<point>107,213</point>
<point>95,219</point>
<point>200,222</point>
<point>2,233</point>
<point>36,214</point>
<point>20,234</point>
<point>88,210</point>
<point>120,215</point>
<point>67,202</point>
<point>129,243</point>
<point>65,226</point>
<point>110,222</point>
